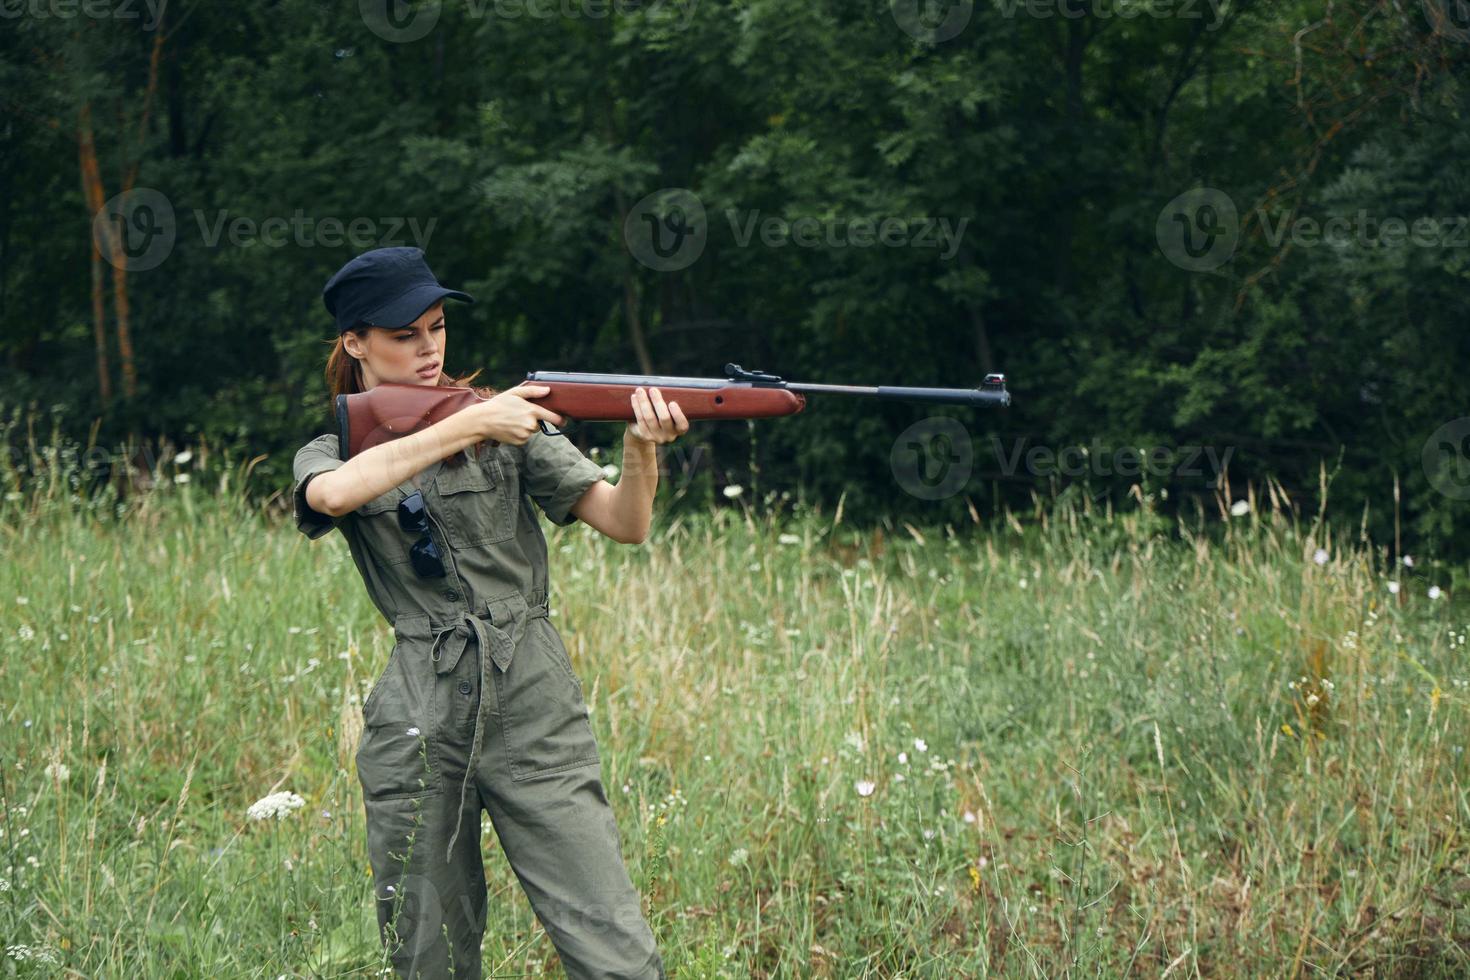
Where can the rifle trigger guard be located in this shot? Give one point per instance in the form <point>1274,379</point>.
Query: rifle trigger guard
<point>546,427</point>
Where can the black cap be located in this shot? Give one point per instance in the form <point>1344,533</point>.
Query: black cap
<point>386,287</point>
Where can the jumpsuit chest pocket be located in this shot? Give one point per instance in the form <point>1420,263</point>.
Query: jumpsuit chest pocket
<point>475,501</point>
<point>379,523</point>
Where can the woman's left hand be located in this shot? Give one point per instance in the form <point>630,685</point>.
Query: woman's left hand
<point>657,422</point>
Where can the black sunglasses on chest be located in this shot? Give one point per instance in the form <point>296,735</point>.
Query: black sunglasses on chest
<point>413,517</point>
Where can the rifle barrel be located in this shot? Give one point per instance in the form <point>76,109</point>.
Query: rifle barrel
<point>992,393</point>
<point>948,396</point>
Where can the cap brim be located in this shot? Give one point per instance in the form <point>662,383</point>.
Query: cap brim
<point>411,305</point>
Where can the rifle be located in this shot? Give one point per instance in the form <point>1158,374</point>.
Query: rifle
<point>390,411</point>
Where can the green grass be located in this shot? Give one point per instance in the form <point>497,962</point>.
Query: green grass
<point>1146,751</point>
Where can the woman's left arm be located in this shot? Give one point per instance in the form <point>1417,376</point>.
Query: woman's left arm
<point>624,511</point>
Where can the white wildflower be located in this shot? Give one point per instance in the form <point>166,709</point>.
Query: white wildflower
<point>40,954</point>
<point>1320,556</point>
<point>738,856</point>
<point>183,457</point>
<point>1312,699</point>
<point>854,739</point>
<point>1434,592</point>
<point>921,745</point>
<point>610,471</point>
<point>414,731</point>
<point>181,478</point>
<point>789,539</point>
<point>25,632</point>
<point>21,600</point>
<point>1393,587</point>
<point>903,758</point>
<point>58,771</point>
<point>969,816</point>
<point>865,787</point>
<point>277,805</point>
<point>1408,561</point>
<point>733,490</point>
<point>1240,508</point>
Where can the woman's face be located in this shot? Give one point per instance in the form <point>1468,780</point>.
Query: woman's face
<point>411,355</point>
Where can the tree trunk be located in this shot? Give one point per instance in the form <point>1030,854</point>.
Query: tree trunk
<point>95,197</point>
<point>99,331</point>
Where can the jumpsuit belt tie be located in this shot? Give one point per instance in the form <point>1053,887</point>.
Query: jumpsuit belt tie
<point>500,646</point>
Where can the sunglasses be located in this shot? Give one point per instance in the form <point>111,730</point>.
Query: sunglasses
<point>413,517</point>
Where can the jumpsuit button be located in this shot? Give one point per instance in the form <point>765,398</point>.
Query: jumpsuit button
<point>464,687</point>
<point>451,595</point>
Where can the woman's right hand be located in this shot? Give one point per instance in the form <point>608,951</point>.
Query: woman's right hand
<point>510,417</point>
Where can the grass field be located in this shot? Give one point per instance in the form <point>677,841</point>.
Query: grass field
<point>1070,743</point>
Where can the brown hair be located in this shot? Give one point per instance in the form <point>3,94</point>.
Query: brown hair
<point>344,376</point>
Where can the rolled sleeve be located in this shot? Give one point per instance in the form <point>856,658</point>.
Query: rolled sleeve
<point>555,474</point>
<point>317,456</point>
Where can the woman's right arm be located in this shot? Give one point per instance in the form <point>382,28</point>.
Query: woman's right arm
<point>507,417</point>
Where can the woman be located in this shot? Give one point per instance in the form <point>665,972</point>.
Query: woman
<point>478,706</point>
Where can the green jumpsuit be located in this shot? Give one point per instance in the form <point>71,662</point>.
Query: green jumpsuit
<point>478,707</point>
